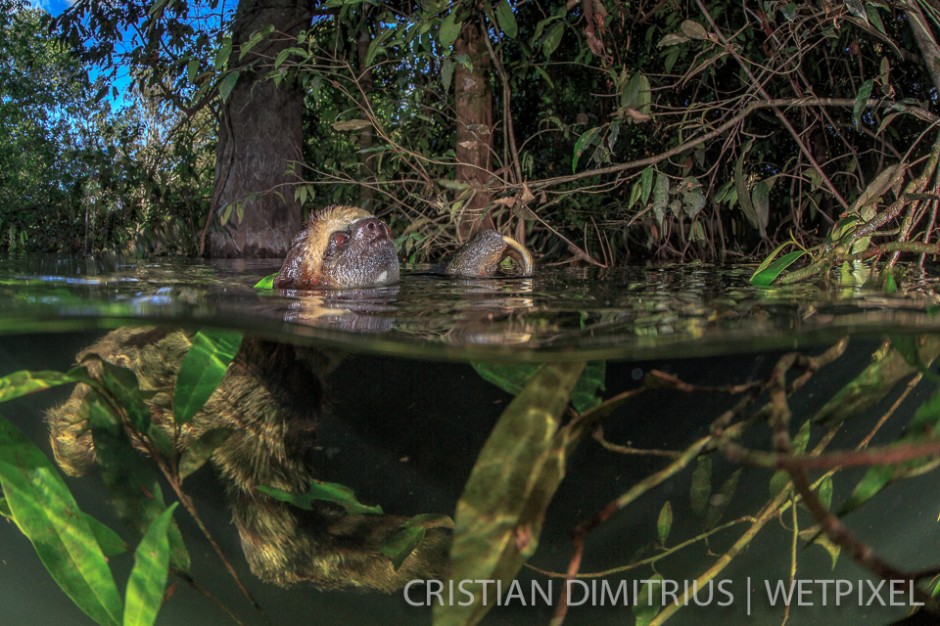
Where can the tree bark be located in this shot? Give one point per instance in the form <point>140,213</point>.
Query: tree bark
<point>474,150</point>
<point>260,139</point>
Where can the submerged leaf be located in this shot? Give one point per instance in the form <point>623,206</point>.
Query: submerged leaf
<point>500,513</point>
<point>401,544</point>
<point>874,480</point>
<point>45,511</point>
<point>586,393</point>
<point>132,485</point>
<point>202,370</point>
<point>122,384</point>
<point>664,523</point>
<point>719,502</point>
<point>326,492</point>
<point>876,381</point>
<point>24,382</point>
<point>701,489</point>
<point>144,594</point>
<point>514,377</point>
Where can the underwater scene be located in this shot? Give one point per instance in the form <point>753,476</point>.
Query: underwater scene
<point>180,442</point>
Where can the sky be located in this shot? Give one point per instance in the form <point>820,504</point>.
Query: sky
<point>51,6</point>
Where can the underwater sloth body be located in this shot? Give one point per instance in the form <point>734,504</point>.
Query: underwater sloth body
<point>272,398</point>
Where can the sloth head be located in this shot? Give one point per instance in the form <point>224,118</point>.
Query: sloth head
<point>341,247</point>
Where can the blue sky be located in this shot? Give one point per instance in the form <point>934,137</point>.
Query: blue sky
<point>52,6</point>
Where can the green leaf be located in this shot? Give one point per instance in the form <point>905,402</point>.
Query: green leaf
<point>768,275</point>
<point>401,544</point>
<point>134,489</point>
<point>500,513</point>
<point>202,370</point>
<point>693,30</point>
<point>719,502</point>
<point>147,582</point>
<point>450,29</point>
<point>701,489</point>
<point>202,449</point>
<point>664,523</point>
<point>801,440</point>
<point>874,480</point>
<point>192,71</point>
<point>227,84</point>
<point>585,141</point>
<point>122,384</point>
<point>267,282</point>
<point>647,604</point>
<point>586,392</point>
<point>506,19</point>
<point>447,73</point>
<point>778,482</point>
<point>861,100</point>
<point>824,493</point>
<point>223,53</point>
<point>512,378</point>
<point>323,491</point>
<point>45,511</point>
<point>24,382</point>
<point>552,39</point>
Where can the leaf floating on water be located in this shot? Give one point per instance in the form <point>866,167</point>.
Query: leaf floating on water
<point>202,370</point>
<point>766,276</point>
<point>267,282</point>
<point>499,516</point>
<point>147,582</point>
<point>326,492</point>
<point>45,511</point>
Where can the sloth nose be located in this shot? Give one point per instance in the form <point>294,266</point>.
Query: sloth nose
<point>371,228</point>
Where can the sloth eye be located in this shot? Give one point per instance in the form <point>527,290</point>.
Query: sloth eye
<point>339,240</point>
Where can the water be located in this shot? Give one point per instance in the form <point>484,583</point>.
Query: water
<point>409,416</point>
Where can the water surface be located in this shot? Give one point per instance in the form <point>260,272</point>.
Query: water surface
<point>408,416</point>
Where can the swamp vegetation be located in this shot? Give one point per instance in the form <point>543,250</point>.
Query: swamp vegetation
<point>599,133</point>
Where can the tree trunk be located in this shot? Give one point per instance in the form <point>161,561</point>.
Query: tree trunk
<point>474,151</point>
<point>260,140</point>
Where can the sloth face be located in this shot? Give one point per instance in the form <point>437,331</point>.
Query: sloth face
<point>341,247</point>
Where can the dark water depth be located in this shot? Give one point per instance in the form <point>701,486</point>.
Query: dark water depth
<point>407,417</point>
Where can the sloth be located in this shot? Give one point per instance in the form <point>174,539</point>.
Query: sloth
<point>272,398</point>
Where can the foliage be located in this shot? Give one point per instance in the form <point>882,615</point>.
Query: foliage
<point>80,175</point>
<point>620,131</point>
